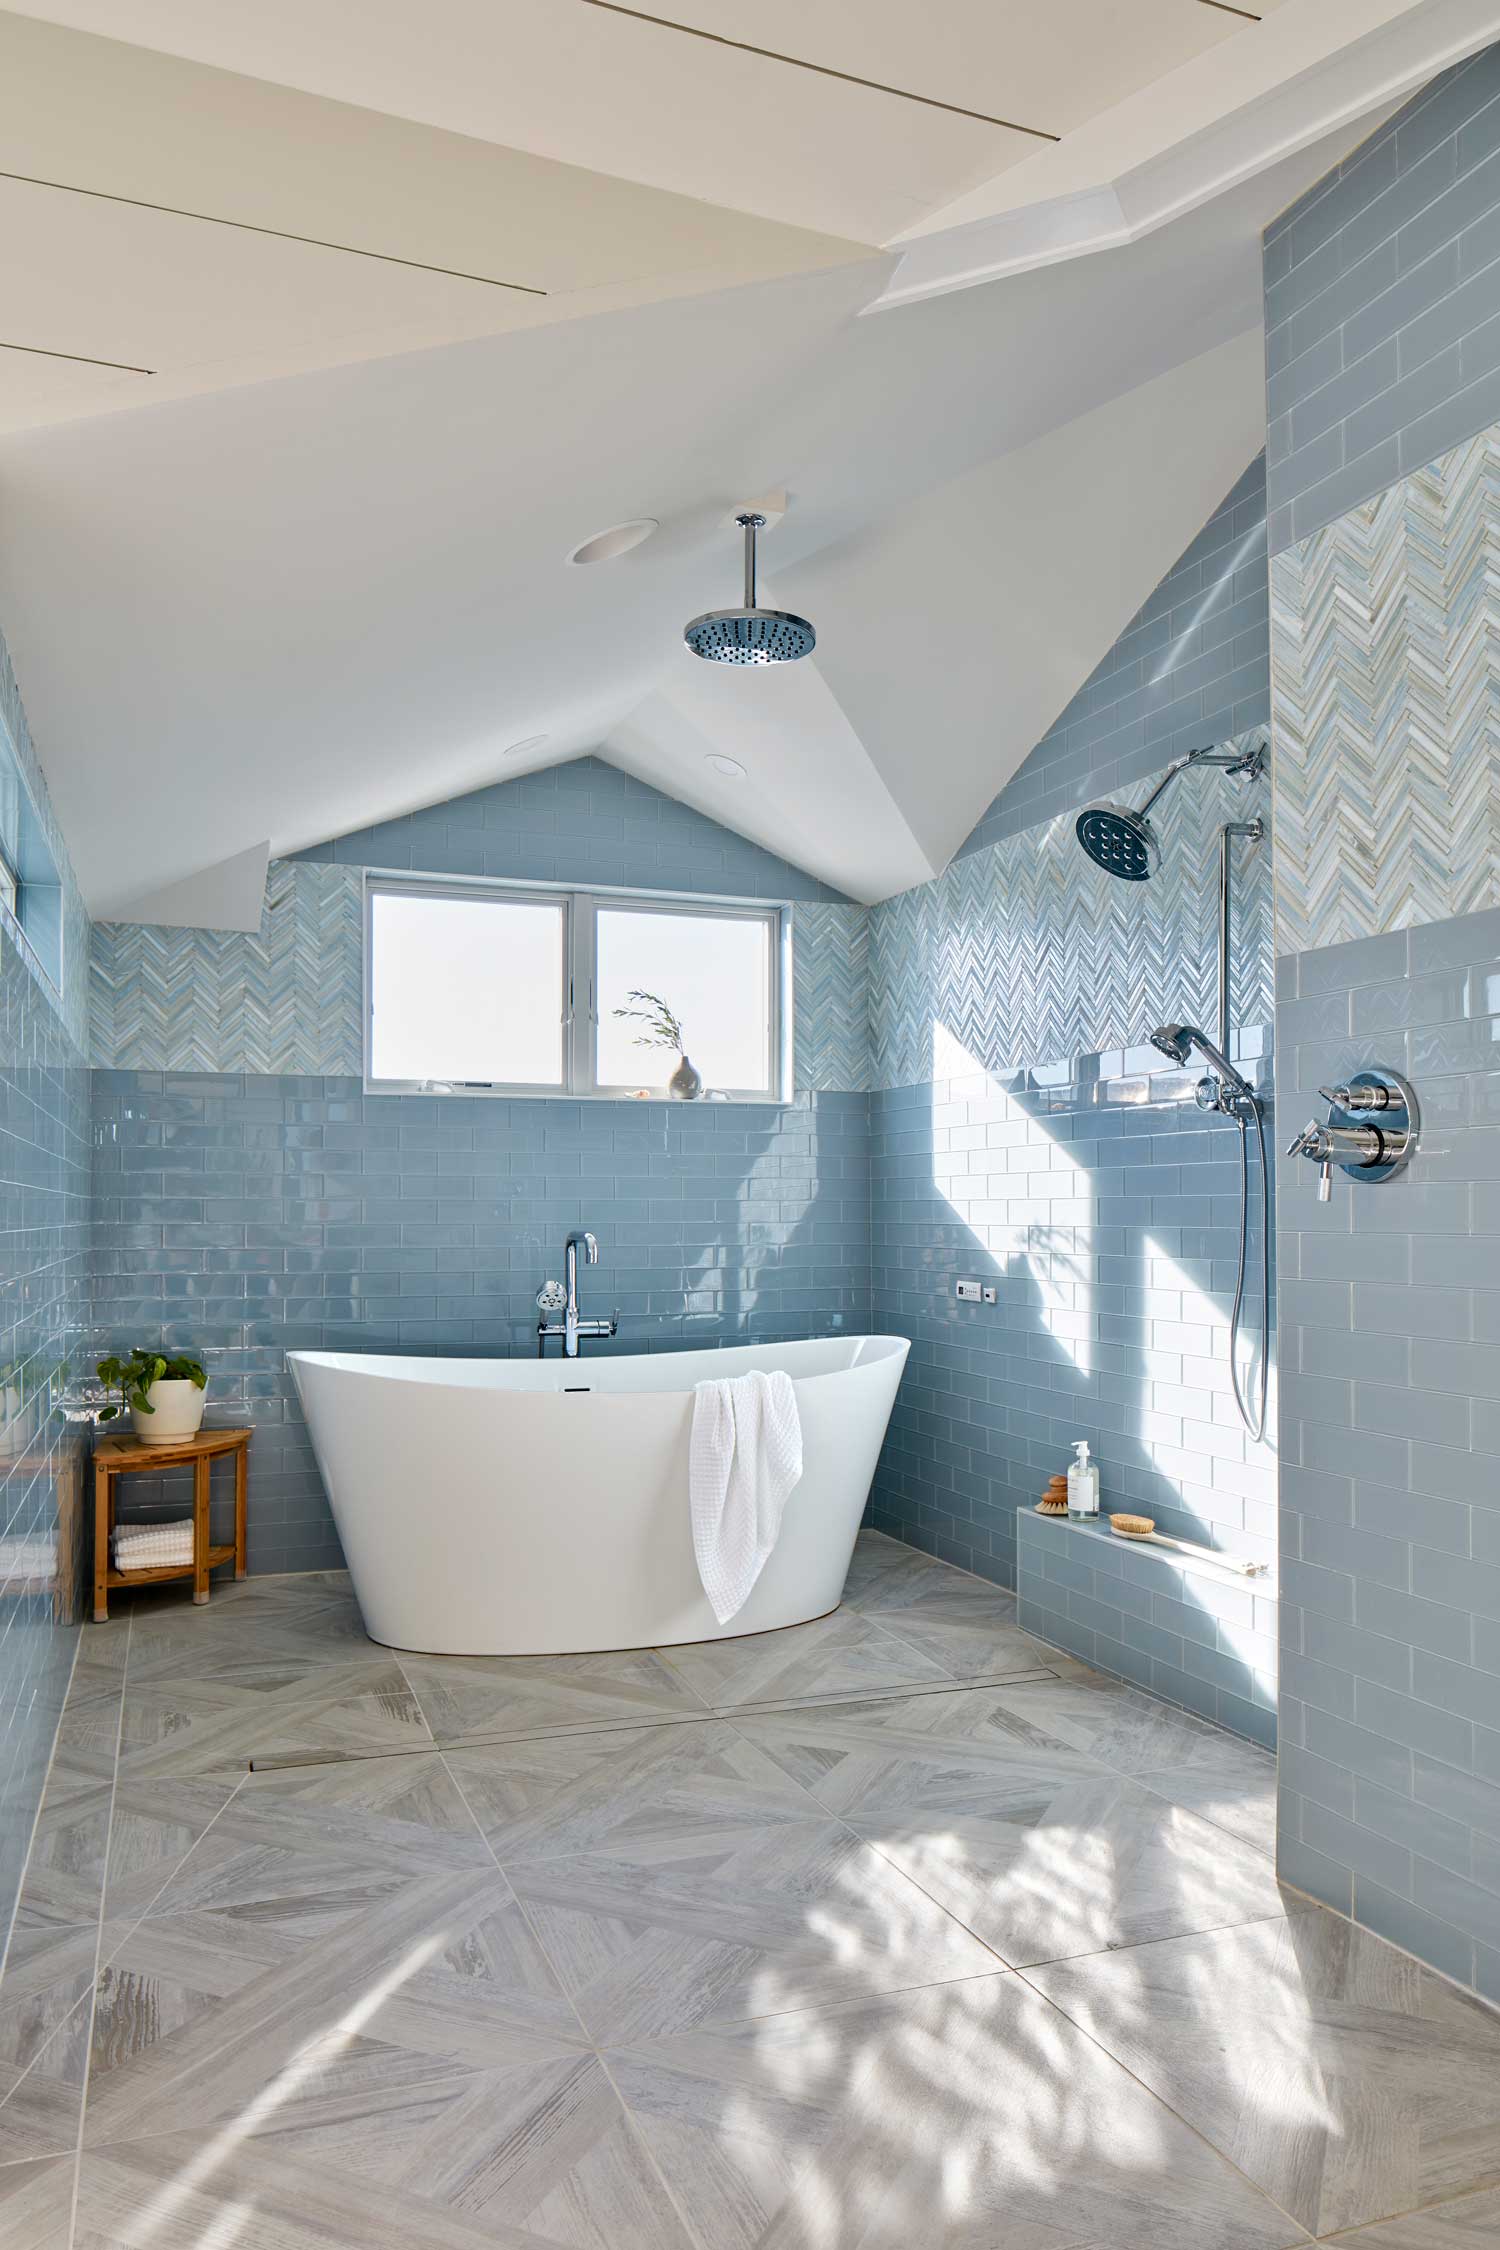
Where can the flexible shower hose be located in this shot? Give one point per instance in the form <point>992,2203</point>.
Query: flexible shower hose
<point>1254,1423</point>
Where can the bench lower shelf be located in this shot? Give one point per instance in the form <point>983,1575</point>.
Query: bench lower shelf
<point>216,1555</point>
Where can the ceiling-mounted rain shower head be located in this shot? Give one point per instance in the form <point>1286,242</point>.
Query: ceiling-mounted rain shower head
<point>1123,842</point>
<point>750,635</point>
<point>1120,841</point>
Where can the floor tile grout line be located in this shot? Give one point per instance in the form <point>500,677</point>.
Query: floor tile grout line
<point>690,2232</point>
<point>93,1992</point>
<point>520,1904</point>
<point>41,1804</point>
<point>1367,2227</point>
<point>419,1705</point>
<point>1150,2091</point>
<point>1220,1827</point>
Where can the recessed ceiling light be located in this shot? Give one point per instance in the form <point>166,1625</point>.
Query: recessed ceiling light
<point>608,546</point>
<point>729,766</point>
<point>532,742</point>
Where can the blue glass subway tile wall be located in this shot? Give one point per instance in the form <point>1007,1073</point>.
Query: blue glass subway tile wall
<point>1191,667</point>
<point>44,1221</point>
<point>246,1215</point>
<point>1382,291</point>
<point>583,822</point>
<point>1104,1211</point>
<point>1390,1525</point>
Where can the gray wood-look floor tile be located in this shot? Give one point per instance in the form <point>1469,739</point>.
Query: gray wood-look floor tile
<point>498,1698</point>
<point>965,1625</point>
<point>564,1794</point>
<point>927,1754</point>
<point>44,2026</point>
<point>664,1935</point>
<point>1085,1865</point>
<point>836,1655</point>
<point>969,2116</point>
<point>1473,2223</point>
<point>36,2204</point>
<point>320,1843</point>
<point>526,2157</point>
<point>880,1566</point>
<point>313,1619</point>
<point>1347,2081</point>
<point>209,1722</point>
<point>156,1821</point>
<point>1039,1850</point>
<point>197,2014</point>
<point>1239,1795</point>
<point>1124,1728</point>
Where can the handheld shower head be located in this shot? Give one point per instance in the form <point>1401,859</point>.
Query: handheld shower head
<point>1120,841</point>
<point>1179,1041</point>
<point>1174,1040</point>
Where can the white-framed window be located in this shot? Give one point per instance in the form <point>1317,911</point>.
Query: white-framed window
<point>477,987</point>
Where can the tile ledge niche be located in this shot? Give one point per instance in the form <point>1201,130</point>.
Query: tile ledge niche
<point>1224,1573</point>
<point>1191,1632</point>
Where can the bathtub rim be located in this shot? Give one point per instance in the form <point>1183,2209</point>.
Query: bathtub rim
<point>372,1363</point>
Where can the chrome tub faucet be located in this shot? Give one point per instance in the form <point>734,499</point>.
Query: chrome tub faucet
<point>563,1297</point>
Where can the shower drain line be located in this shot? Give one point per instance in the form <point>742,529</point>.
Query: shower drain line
<point>284,1761</point>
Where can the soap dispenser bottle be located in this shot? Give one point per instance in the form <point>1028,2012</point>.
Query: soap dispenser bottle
<point>1083,1485</point>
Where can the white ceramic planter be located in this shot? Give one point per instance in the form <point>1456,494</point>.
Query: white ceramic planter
<point>176,1413</point>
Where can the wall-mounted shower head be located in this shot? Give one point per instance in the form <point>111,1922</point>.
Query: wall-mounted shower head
<point>750,635</point>
<point>1120,841</point>
<point>1123,841</point>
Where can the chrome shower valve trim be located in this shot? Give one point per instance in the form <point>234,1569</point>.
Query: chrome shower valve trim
<point>1366,1151</point>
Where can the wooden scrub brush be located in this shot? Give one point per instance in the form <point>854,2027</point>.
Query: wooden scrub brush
<point>1133,1527</point>
<point>1054,1501</point>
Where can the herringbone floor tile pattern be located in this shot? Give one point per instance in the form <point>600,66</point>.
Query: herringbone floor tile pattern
<point>899,1928</point>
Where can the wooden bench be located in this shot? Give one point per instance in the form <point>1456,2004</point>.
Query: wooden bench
<point>116,1457</point>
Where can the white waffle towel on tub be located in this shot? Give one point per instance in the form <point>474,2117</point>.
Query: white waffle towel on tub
<point>744,1459</point>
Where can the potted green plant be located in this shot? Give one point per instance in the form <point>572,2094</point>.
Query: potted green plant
<point>664,1030</point>
<point>164,1393</point>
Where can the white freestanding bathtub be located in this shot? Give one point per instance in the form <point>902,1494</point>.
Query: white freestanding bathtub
<point>536,1507</point>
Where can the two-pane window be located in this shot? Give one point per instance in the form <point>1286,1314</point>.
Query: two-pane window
<point>485,988</point>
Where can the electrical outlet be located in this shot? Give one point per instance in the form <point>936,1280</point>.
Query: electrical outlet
<point>967,1292</point>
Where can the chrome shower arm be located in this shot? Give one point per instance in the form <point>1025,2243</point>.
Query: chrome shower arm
<point>752,525</point>
<point>1250,763</point>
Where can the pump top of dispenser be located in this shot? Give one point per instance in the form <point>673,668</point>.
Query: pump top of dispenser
<point>1081,1448</point>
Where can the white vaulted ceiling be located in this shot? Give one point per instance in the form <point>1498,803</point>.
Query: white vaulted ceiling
<point>330,327</point>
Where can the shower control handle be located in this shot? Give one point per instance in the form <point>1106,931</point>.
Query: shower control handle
<point>1365,1150</point>
<point>1311,1142</point>
<point>1359,1097</point>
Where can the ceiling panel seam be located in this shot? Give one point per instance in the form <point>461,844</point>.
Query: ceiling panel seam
<point>821,70</point>
<point>276,234</point>
<point>80,359</point>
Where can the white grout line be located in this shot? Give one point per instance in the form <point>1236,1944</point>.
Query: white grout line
<point>40,1805</point>
<point>93,1992</point>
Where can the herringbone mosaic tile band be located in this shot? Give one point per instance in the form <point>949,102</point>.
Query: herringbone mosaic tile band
<point>286,999</point>
<point>1385,656</point>
<point>830,998</point>
<point>1027,953</point>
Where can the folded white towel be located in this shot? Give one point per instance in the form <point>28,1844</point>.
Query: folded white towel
<point>744,1459</point>
<point>153,1546</point>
